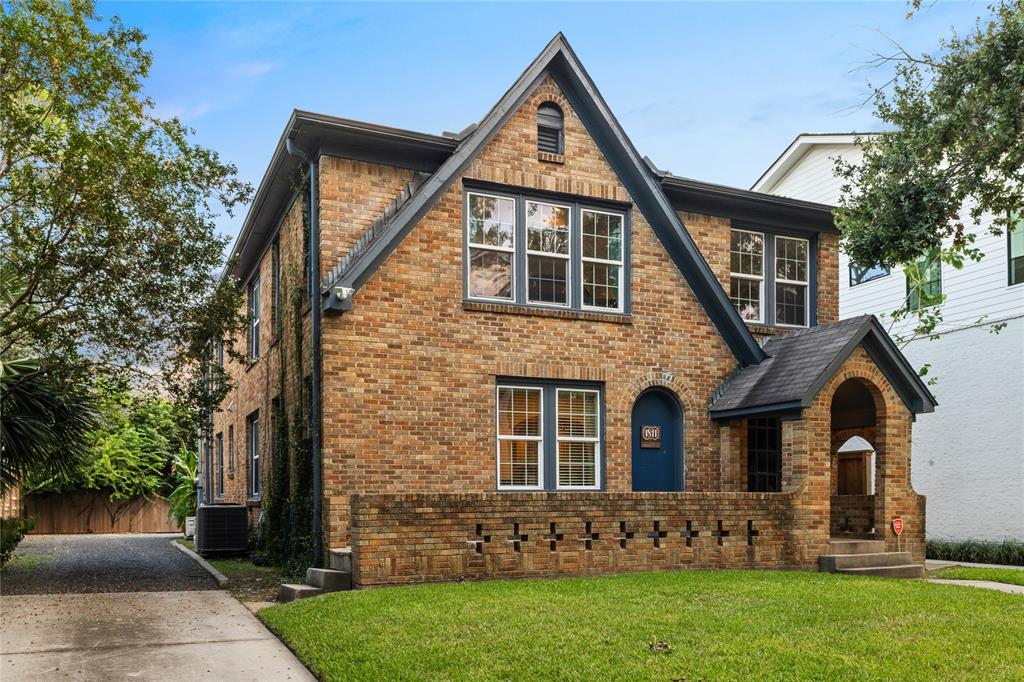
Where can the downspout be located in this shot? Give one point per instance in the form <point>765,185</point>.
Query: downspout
<point>313,273</point>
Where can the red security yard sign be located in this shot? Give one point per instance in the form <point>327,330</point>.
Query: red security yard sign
<point>897,526</point>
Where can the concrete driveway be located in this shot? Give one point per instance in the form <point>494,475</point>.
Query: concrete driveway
<point>113,607</point>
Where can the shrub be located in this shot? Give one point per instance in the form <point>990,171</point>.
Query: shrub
<point>1007,552</point>
<point>12,531</point>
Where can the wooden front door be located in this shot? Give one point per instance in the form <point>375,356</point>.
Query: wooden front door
<point>853,473</point>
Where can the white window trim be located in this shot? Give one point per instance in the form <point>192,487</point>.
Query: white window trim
<point>620,263</point>
<point>806,284</point>
<point>572,439</point>
<point>544,254</point>
<point>255,305</point>
<point>255,476</point>
<point>499,438</point>
<point>742,275</point>
<point>490,247</point>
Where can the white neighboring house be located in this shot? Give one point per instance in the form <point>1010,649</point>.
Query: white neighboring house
<point>968,456</point>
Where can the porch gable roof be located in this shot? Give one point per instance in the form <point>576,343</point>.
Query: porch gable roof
<point>800,363</point>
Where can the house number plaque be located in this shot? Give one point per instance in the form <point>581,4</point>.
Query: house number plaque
<point>650,436</point>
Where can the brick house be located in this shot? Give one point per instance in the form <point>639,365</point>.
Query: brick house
<point>534,353</point>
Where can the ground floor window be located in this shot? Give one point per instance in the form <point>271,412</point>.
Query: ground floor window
<point>764,455</point>
<point>220,465</point>
<point>253,445</point>
<point>549,436</point>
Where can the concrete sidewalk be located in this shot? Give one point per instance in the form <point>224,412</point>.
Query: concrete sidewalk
<point>182,635</point>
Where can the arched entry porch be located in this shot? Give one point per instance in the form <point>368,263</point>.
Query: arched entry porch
<point>857,413</point>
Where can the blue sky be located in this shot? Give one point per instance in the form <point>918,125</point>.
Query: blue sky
<point>713,91</point>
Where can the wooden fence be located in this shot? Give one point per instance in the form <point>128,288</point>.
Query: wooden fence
<point>93,512</point>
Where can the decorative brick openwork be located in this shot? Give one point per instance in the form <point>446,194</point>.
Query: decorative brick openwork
<point>432,537</point>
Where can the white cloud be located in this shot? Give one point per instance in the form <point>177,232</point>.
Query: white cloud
<point>251,69</point>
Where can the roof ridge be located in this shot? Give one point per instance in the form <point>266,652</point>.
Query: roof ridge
<point>376,228</point>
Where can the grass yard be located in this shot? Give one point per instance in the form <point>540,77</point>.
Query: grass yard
<point>699,625</point>
<point>996,575</point>
<point>247,582</point>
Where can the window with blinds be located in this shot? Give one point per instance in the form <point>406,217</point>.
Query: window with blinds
<point>550,129</point>
<point>549,435</point>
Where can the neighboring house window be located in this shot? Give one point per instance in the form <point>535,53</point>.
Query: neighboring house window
<point>491,238</point>
<point>220,353</point>
<point>862,275</point>
<point>547,253</point>
<point>764,455</point>
<point>746,280</point>
<point>252,424</point>
<point>231,451</point>
<point>791,281</point>
<point>220,465</point>
<point>550,129</point>
<point>549,436</point>
<point>541,253</point>
<point>275,286</point>
<point>1016,251</point>
<point>254,318</point>
<point>924,281</point>
<point>602,260</point>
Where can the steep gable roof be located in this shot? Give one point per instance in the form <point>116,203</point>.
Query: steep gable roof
<point>559,60</point>
<point>796,150</point>
<point>799,364</point>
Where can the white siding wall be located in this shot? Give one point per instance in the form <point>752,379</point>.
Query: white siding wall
<point>968,457</point>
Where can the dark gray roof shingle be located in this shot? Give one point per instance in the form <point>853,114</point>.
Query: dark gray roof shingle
<point>800,363</point>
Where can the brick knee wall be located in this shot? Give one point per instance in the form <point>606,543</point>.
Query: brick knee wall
<point>436,537</point>
<point>853,513</point>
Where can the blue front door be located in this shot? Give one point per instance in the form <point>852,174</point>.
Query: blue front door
<point>657,443</point>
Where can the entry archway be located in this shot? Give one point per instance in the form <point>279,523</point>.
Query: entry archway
<point>856,413</point>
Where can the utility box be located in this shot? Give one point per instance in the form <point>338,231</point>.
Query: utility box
<point>222,529</point>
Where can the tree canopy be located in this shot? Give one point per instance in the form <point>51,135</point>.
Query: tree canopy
<point>107,212</point>
<point>953,153</point>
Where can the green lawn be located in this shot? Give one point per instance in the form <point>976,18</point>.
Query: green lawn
<point>247,582</point>
<point>660,626</point>
<point>996,575</point>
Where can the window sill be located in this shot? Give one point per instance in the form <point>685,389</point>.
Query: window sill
<point>772,330</point>
<point>548,157</point>
<point>254,502</point>
<point>519,309</point>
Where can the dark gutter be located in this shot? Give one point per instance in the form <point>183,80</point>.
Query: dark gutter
<point>313,272</point>
<point>740,204</point>
<point>787,409</point>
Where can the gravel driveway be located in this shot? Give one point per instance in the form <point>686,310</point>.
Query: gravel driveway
<point>62,564</point>
<point>127,607</point>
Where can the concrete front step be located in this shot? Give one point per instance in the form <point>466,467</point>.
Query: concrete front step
<point>292,591</point>
<point>329,580</point>
<point>834,562</point>
<point>341,559</point>
<point>900,571</point>
<point>856,547</point>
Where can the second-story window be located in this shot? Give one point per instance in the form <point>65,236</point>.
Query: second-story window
<point>524,250</point>
<point>770,278</point>
<point>863,275</point>
<point>275,286</point>
<point>550,129</point>
<point>547,253</point>
<point>746,279</point>
<point>791,281</point>
<point>492,240</point>
<point>924,281</point>
<point>1015,244</point>
<point>254,318</point>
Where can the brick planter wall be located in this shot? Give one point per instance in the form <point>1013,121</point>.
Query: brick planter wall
<point>433,537</point>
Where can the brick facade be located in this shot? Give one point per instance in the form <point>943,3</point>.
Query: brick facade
<point>409,377</point>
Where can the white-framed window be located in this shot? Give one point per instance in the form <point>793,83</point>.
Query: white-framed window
<point>491,236</point>
<point>254,318</point>
<point>578,420</point>
<point>792,277</point>
<point>547,253</point>
<point>520,438</point>
<point>746,274</point>
<point>253,445</point>
<point>602,259</point>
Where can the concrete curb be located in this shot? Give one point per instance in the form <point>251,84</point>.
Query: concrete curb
<point>217,575</point>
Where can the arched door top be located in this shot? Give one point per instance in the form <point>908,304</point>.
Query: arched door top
<point>658,457</point>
